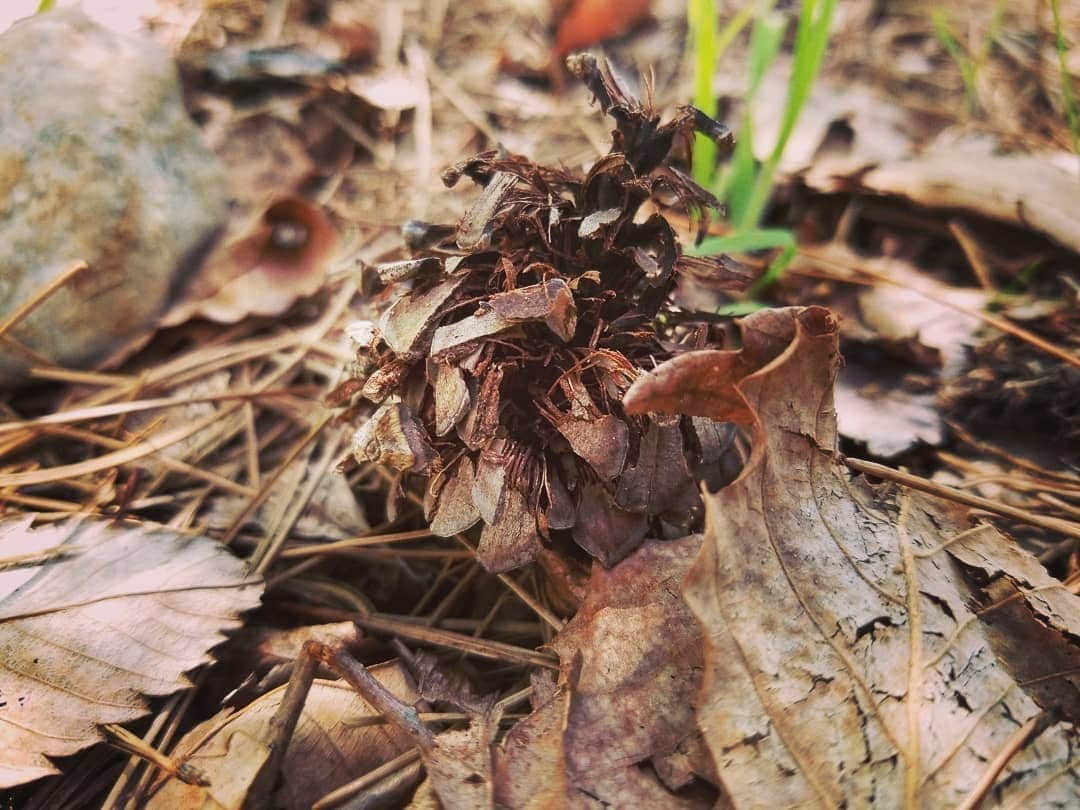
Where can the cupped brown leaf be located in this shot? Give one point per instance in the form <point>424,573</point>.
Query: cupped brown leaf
<point>850,660</point>
<point>88,634</point>
<point>263,265</point>
<point>338,737</point>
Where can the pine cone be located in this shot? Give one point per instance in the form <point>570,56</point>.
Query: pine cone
<point>499,372</point>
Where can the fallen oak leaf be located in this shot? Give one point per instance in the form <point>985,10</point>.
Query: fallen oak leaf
<point>1022,608</point>
<point>87,637</point>
<point>704,383</point>
<point>846,658</point>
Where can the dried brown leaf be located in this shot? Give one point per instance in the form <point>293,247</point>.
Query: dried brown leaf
<point>338,738</point>
<point>848,660</point>
<point>883,415</point>
<point>703,383</point>
<point>275,645</point>
<point>87,636</point>
<point>263,265</point>
<point>1022,189</point>
<point>630,668</point>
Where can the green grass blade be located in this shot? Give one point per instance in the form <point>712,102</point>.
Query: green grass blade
<point>811,39</point>
<point>746,241</point>
<point>709,48</point>
<point>701,15</point>
<point>940,21</point>
<point>766,37</point>
<point>1066,80</point>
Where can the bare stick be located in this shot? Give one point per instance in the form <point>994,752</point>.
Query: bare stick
<point>1066,527</point>
<point>405,718</point>
<point>483,648</point>
<point>281,726</point>
<point>1023,735</point>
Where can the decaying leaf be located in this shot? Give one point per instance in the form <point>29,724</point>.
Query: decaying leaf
<point>630,670</point>
<point>265,262</point>
<point>87,636</point>
<point>851,657</point>
<point>461,765</point>
<point>515,356</point>
<point>1022,189</point>
<point>338,737</point>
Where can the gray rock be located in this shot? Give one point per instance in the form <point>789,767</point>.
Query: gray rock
<point>99,162</point>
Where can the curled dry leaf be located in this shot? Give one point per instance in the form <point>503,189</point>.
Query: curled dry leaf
<point>263,265</point>
<point>338,738</point>
<point>86,636</point>
<point>1022,189</point>
<point>852,657</point>
<point>630,668</point>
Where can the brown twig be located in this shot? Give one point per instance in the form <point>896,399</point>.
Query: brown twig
<point>1066,527</point>
<point>1022,737</point>
<point>281,727</point>
<point>404,718</point>
<point>483,648</point>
